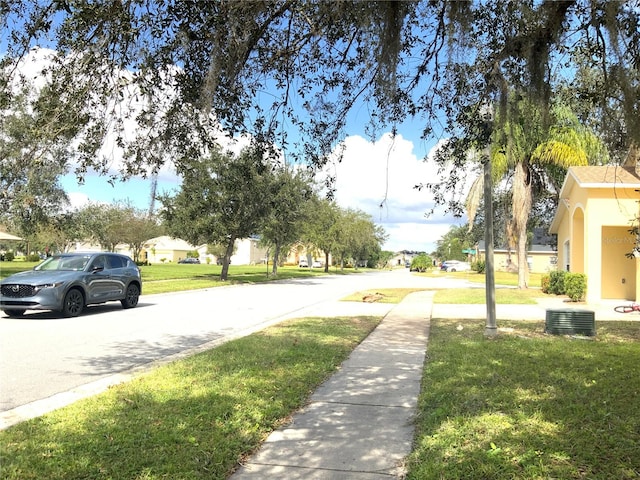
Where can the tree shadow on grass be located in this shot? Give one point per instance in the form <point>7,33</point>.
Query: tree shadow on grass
<point>526,407</point>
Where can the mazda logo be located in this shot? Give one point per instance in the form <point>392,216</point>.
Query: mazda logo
<point>15,288</point>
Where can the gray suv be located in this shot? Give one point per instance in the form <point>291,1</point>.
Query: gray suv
<point>66,283</point>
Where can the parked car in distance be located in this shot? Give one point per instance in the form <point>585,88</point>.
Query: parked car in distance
<point>68,282</point>
<point>189,260</point>
<point>316,264</point>
<point>303,263</point>
<point>456,266</point>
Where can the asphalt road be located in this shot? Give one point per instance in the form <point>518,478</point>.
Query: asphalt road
<point>42,355</point>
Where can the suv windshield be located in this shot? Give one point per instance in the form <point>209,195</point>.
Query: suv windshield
<point>64,263</point>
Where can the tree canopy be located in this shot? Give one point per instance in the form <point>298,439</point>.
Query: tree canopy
<point>288,195</point>
<point>30,163</point>
<point>223,197</point>
<point>289,71</point>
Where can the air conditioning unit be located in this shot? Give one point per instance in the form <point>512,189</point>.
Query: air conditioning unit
<point>570,321</point>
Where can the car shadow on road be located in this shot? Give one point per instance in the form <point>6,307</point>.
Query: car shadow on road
<point>89,311</point>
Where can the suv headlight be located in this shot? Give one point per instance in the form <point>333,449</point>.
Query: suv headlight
<point>37,288</point>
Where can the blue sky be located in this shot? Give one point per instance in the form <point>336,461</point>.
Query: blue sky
<point>376,175</point>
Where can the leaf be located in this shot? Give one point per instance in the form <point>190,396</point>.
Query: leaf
<point>473,199</point>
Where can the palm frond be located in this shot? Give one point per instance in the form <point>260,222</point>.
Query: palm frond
<point>473,199</point>
<point>556,152</point>
<point>499,164</point>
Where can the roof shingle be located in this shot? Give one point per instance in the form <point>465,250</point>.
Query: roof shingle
<point>606,174</point>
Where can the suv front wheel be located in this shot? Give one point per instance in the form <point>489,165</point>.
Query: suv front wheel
<point>73,303</point>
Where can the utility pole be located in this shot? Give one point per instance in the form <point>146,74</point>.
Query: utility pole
<point>491,329</point>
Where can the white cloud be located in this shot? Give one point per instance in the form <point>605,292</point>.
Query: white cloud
<point>78,200</point>
<point>380,178</point>
<point>420,237</point>
<point>32,69</point>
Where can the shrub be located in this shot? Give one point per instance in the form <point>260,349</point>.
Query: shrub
<point>556,282</point>
<point>480,266</point>
<point>545,283</point>
<point>421,263</point>
<point>9,256</point>
<point>575,285</point>
<point>34,257</point>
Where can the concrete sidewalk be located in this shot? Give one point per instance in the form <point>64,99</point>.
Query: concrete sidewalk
<point>359,423</point>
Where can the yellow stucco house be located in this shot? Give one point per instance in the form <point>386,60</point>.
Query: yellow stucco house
<point>166,249</point>
<point>299,251</point>
<point>541,255</point>
<point>598,206</point>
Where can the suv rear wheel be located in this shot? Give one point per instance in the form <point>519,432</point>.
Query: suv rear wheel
<point>131,298</point>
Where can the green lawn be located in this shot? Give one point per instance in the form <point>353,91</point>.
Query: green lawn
<point>478,296</point>
<point>176,277</point>
<point>528,405</point>
<point>173,277</point>
<point>525,405</point>
<point>381,295</point>
<point>191,419</point>
<point>9,268</point>
<point>501,278</point>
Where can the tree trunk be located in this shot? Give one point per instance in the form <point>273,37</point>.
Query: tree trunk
<point>227,259</point>
<point>521,211</point>
<point>523,266</point>
<point>326,262</point>
<point>512,245</point>
<point>276,255</point>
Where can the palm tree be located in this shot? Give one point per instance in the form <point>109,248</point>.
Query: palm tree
<point>533,158</point>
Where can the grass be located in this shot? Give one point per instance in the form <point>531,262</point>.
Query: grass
<point>528,405</point>
<point>478,296</point>
<point>172,277</point>
<point>501,278</point>
<point>179,277</point>
<point>194,418</point>
<point>451,295</point>
<point>511,279</point>
<point>525,405</point>
<point>9,268</point>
